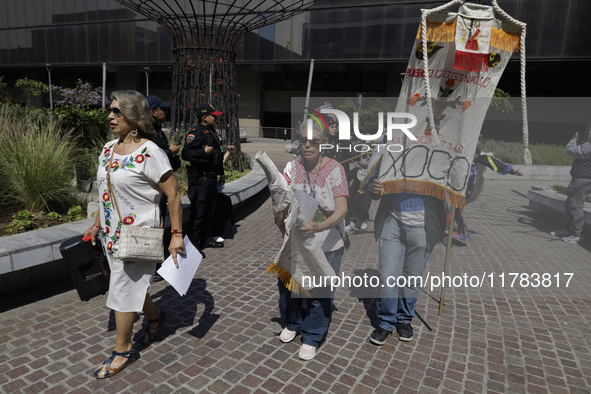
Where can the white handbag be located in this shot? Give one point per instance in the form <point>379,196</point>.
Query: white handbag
<point>137,243</point>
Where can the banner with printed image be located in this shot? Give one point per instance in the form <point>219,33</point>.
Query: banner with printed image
<point>467,53</point>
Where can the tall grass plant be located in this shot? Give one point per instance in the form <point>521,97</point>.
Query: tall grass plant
<point>36,161</point>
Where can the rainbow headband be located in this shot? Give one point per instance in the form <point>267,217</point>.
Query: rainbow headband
<point>316,117</point>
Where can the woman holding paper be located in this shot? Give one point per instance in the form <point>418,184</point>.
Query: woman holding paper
<point>139,172</point>
<point>324,180</point>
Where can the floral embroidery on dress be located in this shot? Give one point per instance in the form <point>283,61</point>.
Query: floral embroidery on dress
<point>115,236</point>
<point>132,165</point>
<point>126,163</point>
<point>129,219</point>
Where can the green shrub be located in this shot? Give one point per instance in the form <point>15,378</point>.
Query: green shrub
<point>4,95</point>
<point>541,154</point>
<point>500,103</point>
<point>89,125</point>
<point>53,215</point>
<point>36,161</point>
<point>90,129</point>
<point>22,215</point>
<point>31,88</point>
<point>21,223</point>
<point>233,175</point>
<point>75,213</point>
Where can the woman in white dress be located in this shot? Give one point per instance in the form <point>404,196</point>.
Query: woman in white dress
<point>140,172</point>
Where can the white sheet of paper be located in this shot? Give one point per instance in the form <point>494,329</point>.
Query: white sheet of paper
<point>181,278</point>
<point>308,204</point>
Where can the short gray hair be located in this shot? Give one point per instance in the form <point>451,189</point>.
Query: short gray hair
<point>322,131</point>
<point>135,109</point>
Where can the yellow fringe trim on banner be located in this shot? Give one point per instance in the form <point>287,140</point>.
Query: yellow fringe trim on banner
<point>425,188</point>
<point>439,32</point>
<point>285,277</point>
<point>505,41</point>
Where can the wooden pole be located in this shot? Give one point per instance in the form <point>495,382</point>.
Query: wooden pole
<point>353,158</point>
<point>447,252</point>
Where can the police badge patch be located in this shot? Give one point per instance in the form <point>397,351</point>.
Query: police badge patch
<point>190,137</point>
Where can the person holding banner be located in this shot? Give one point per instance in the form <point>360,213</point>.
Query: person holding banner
<point>408,226</point>
<point>324,180</point>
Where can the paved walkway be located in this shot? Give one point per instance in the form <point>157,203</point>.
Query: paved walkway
<point>222,336</point>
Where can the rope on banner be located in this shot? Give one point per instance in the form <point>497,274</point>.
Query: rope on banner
<point>525,126</point>
<point>434,132</point>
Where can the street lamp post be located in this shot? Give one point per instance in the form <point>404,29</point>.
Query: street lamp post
<point>147,71</point>
<point>48,67</point>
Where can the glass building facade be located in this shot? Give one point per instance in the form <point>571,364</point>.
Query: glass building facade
<point>357,45</point>
<point>90,32</point>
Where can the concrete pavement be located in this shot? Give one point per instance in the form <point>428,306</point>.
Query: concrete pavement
<point>222,336</point>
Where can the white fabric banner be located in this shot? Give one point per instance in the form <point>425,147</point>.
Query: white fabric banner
<point>467,53</point>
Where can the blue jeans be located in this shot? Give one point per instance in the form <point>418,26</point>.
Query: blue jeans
<point>310,315</point>
<point>406,248</point>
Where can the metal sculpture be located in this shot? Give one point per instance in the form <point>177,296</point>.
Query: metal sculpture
<point>204,34</point>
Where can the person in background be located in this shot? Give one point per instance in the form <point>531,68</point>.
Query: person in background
<point>475,185</point>
<point>139,173</point>
<point>359,202</point>
<point>158,109</point>
<point>203,150</point>
<point>578,188</point>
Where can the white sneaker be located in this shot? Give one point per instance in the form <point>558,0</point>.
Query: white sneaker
<point>574,240</point>
<point>287,335</point>
<point>217,239</point>
<point>307,352</point>
<point>363,226</point>
<point>560,233</point>
<point>348,229</point>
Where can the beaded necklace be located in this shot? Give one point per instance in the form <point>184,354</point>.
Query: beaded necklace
<point>312,187</point>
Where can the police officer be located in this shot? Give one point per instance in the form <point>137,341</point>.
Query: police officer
<point>203,150</point>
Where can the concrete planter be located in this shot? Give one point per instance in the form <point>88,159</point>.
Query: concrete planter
<point>34,257</point>
<point>549,203</point>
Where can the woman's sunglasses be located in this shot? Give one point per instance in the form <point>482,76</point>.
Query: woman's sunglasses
<point>116,111</point>
<point>313,142</point>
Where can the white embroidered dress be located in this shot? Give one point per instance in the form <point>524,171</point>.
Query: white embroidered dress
<point>134,178</point>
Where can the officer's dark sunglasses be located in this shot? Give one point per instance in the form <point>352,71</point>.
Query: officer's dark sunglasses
<point>116,111</point>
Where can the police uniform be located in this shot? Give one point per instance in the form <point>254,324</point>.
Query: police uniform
<point>202,175</point>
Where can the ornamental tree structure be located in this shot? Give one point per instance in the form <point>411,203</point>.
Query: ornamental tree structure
<point>204,34</point>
